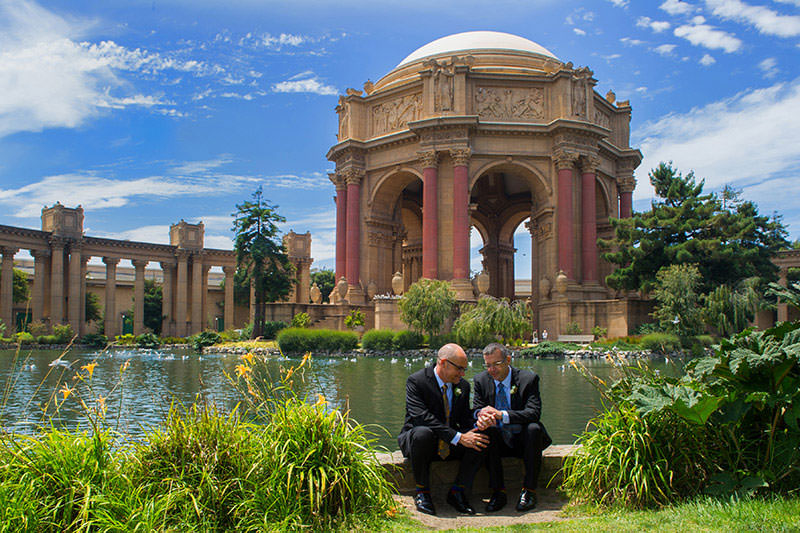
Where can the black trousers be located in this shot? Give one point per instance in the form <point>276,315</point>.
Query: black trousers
<point>423,449</point>
<point>527,444</point>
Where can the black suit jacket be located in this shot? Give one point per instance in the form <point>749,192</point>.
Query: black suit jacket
<point>424,407</point>
<point>526,404</point>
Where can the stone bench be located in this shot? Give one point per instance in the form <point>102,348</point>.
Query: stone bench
<point>398,469</point>
<point>580,339</point>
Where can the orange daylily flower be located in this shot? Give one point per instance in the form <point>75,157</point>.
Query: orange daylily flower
<point>90,368</point>
<point>66,390</point>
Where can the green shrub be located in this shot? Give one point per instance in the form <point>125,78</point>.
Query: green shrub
<point>23,337</point>
<point>47,339</point>
<point>203,339</point>
<point>706,341</point>
<point>546,348</point>
<point>230,335</point>
<point>661,342</point>
<point>247,331</point>
<point>271,329</point>
<point>37,328</point>
<point>173,340</point>
<point>301,320</point>
<point>437,341</point>
<point>649,327</point>
<point>64,333</point>
<point>378,339</point>
<point>125,340</point>
<point>407,340</point>
<point>148,340</point>
<point>354,319</point>
<point>490,317</point>
<point>426,305</point>
<point>301,340</point>
<point>573,328</point>
<point>599,332</point>
<point>95,340</point>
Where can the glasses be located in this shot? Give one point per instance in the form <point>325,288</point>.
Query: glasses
<point>461,368</point>
<point>498,364</point>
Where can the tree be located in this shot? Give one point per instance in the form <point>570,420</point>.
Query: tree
<point>730,311</point>
<point>153,314</point>
<point>725,238</point>
<point>260,255</point>
<point>678,310</point>
<point>325,280</point>
<point>426,305</point>
<point>93,309</point>
<point>20,288</point>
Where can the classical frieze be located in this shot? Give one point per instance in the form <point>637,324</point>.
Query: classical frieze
<point>396,114</point>
<point>509,104</point>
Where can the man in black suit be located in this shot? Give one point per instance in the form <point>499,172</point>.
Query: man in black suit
<point>508,408</point>
<point>440,425</point>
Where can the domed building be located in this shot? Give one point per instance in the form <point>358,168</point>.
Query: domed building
<point>485,130</point>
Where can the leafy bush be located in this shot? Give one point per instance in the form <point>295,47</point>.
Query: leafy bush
<point>37,328</point>
<point>271,329</point>
<point>125,340</point>
<point>573,328</point>
<point>300,340</point>
<point>47,339</point>
<point>546,348</point>
<point>599,332</point>
<point>407,340</point>
<point>95,340</point>
<point>147,340</point>
<point>203,339</point>
<point>426,305</point>
<point>437,341</point>
<point>378,339</point>
<point>247,331</point>
<point>706,341</point>
<point>481,323</point>
<point>173,340</point>
<point>301,320</point>
<point>354,319</point>
<point>661,342</point>
<point>23,337</point>
<point>64,333</point>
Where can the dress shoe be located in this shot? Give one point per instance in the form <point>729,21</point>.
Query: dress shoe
<point>424,503</point>
<point>497,501</point>
<point>458,500</point>
<point>527,500</point>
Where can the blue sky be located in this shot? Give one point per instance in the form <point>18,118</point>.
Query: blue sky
<point>148,112</point>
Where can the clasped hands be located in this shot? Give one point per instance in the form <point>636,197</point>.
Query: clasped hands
<point>488,417</point>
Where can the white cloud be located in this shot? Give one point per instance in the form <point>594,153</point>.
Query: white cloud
<point>769,67</point>
<point>707,60</point>
<point>677,7</point>
<point>655,25</point>
<point>200,167</point>
<point>665,49</point>
<point>744,140</point>
<point>791,2</point>
<point>310,84</point>
<point>709,37</point>
<point>767,21</point>
<point>619,3</point>
<point>578,31</point>
<point>631,42</point>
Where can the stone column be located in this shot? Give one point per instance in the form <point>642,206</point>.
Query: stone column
<point>56,281</point>
<point>111,297</point>
<point>341,226</point>
<point>37,297</point>
<point>533,230</point>
<point>430,214</point>
<point>7,288</point>
<point>74,287</point>
<point>230,306</point>
<point>589,220</point>
<point>461,283</point>
<point>355,292</point>
<point>783,308</point>
<point>197,295</point>
<point>182,293</point>
<point>626,186</point>
<point>204,322</point>
<point>138,296</point>
<point>304,280</point>
<point>84,261</point>
<point>565,161</point>
<point>168,270</point>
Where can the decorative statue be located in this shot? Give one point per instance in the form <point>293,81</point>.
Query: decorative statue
<point>397,283</point>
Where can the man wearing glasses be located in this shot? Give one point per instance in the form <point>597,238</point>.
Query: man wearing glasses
<point>439,426</point>
<point>508,407</point>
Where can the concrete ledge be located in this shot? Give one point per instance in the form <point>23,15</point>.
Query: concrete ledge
<point>398,469</point>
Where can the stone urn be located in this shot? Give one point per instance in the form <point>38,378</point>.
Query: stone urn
<point>544,288</point>
<point>341,288</point>
<point>333,295</point>
<point>482,281</point>
<point>561,283</point>
<point>397,283</point>
<point>372,289</point>
<point>316,294</point>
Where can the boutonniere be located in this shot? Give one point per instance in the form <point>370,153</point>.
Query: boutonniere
<point>513,389</point>
<point>457,391</point>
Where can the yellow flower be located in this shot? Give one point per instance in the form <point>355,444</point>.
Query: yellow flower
<point>124,366</point>
<point>90,368</point>
<point>320,400</point>
<point>242,370</point>
<point>101,403</point>
<point>248,357</point>
<point>574,365</point>
<point>289,374</point>
<point>66,390</point>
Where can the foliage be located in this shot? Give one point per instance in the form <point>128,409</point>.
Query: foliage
<point>301,320</point>
<point>599,332</point>
<point>573,328</point>
<point>678,310</point>
<point>271,329</point>
<point>47,339</point>
<point>325,280</point>
<point>546,348</point>
<point>426,305</point>
<point>354,319</point>
<point>2,328</point>
<point>647,327</point>
<point>23,337</point>
<point>407,340</point>
<point>437,341</point>
<point>125,340</point>
<point>301,340</point>
<point>260,255</point>
<point>381,340</point>
<point>203,339</point>
<point>64,333</point>
<point>247,330</point>
<point>94,340</point>
<point>20,287</point>
<point>37,328</point>
<point>789,295</point>
<point>661,342</point>
<point>727,241</point>
<point>153,297</point>
<point>92,307</point>
<point>173,340</point>
<point>148,340</point>
<point>729,311</point>
<point>478,324</point>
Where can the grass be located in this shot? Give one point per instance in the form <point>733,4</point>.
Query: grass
<point>249,344</point>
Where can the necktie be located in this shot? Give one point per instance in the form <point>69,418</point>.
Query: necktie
<point>444,447</point>
<point>501,404</point>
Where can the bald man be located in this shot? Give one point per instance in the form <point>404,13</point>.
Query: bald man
<point>439,426</point>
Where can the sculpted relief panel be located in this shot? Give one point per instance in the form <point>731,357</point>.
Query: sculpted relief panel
<point>395,114</point>
<point>501,103</point>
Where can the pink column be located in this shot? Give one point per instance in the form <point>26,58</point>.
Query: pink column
<point>341,228</point>
<point>625,204</point>
<point>460,213</point>
<point>564,163</point>
<point>589,221</point>
<point>430,215</point>
<point>353,223</point>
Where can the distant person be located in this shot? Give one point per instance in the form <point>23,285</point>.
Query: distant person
<point>544,335</point>
<point>535,339</point>
<point>508,410</point>
<point>439,425</point>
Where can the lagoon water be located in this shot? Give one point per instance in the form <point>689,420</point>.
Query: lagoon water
<point>374,388</point>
